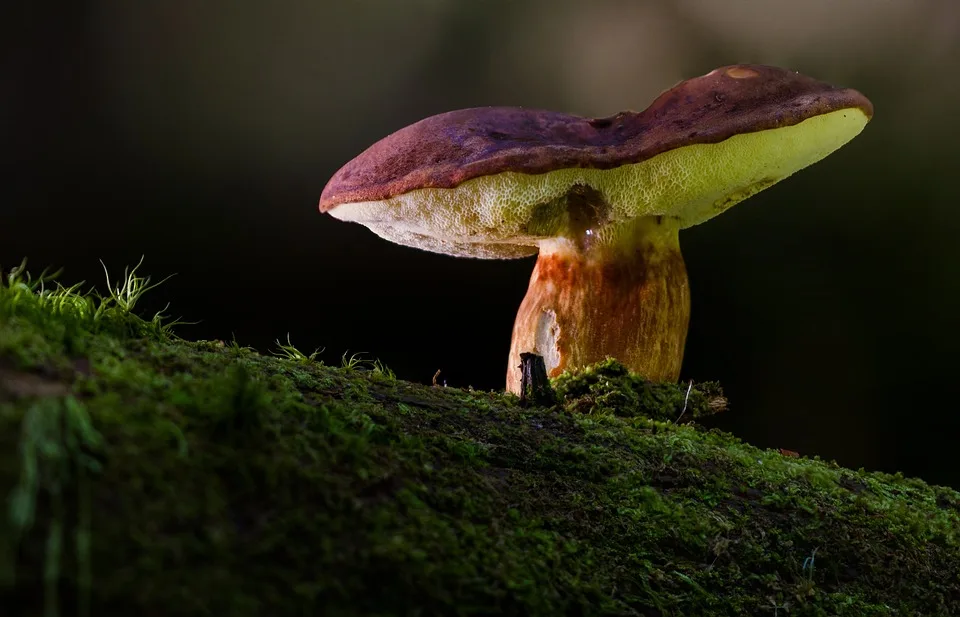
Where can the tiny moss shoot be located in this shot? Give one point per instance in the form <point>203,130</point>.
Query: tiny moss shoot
<point>145,474</point>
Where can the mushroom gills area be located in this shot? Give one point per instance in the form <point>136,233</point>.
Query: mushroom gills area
<point>506,215</point>
<point>623,295</point>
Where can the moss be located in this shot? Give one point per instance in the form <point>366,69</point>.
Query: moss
<point>608,388</point>
<point>149,475</point>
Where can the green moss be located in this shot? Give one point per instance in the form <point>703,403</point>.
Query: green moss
<point>149,475</point>
<point>608,388</point>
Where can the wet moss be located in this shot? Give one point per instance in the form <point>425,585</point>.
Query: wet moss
<point>149,475</point>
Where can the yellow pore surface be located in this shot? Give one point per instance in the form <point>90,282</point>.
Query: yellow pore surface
<point>501,215</point>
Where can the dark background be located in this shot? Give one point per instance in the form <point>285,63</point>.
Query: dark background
<point>201,134</point>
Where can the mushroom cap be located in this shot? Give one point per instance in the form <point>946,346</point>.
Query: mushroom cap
<point>494,182</point>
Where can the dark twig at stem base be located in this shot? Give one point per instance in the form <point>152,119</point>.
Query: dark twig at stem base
<point>535,386</point>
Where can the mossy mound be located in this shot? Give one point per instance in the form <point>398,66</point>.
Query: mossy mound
<point>147,475</point>
<point>609,388</point>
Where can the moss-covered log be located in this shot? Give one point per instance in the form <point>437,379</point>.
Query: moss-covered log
<point>147,475</point>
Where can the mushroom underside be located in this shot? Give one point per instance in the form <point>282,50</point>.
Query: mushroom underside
<point>508,214</point>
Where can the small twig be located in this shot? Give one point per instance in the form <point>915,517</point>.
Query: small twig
<point>686,400</point>
<point>534,384</point>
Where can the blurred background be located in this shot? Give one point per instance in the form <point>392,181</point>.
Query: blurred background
<point>201,134</point>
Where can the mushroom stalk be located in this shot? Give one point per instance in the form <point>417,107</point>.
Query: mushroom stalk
<point>619,292</point>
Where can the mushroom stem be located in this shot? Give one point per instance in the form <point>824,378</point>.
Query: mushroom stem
<point>621,292</point>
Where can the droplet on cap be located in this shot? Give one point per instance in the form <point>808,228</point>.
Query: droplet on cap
<point>740,72</point>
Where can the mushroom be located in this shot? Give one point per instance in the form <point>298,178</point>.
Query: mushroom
<point>601,199</point>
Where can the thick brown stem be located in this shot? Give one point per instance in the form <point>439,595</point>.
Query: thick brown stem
<point>625,296</point>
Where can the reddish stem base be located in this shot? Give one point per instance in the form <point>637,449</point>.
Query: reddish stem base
<point>629,300</point>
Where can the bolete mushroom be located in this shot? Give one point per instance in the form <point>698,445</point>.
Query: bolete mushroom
<point>601,199</point>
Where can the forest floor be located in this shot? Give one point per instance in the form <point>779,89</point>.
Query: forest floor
<point>143,474</point>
